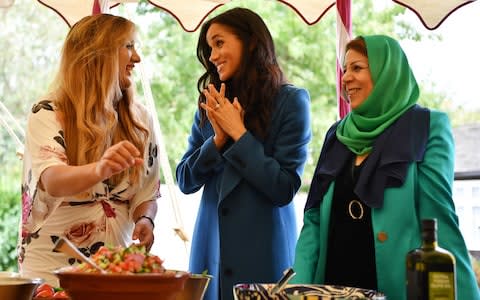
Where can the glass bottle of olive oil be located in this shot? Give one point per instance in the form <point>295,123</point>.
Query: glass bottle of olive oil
<point>430,269</point>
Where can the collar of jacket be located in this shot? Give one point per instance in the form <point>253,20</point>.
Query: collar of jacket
<point>399,145</point>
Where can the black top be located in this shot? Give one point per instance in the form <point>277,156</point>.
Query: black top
<point>351,248</point>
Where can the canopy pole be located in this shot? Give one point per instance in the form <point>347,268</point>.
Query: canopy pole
<point>11,131</point>
<point>100,6</point>
<point>164,163</point>
<point>344,33</point>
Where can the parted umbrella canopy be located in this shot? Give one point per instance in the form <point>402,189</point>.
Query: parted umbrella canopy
<point>191,13</point>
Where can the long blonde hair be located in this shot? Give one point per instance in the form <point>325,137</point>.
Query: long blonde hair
<point>95,112</point>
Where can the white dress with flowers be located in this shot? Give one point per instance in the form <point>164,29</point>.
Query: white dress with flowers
<point>102,215</point>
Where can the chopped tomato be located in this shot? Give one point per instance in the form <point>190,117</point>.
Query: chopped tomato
<point>44,290</point>
<point>133,259</point>
<point>60,295</point>
<point>45,294</point>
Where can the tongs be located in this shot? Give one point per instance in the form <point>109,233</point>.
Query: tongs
<point>65,246</point>
<point>280,285</point>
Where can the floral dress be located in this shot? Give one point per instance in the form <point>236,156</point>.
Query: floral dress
<point>101,215</point>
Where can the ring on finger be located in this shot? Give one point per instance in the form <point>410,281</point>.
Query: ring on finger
<point>217,106</point>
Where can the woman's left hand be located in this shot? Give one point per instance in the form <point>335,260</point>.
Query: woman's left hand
<point>229,116</point>
<point>211,104</point>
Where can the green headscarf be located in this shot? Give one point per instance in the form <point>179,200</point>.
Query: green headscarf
<point>394,91</point>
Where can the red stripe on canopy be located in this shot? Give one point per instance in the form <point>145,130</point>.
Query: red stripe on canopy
<point>344,33</point>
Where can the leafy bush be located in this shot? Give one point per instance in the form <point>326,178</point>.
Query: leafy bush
<point>10,209</point>
<point>476,268</point>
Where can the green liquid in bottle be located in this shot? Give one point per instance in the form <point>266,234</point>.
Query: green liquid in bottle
<point>430,269</point>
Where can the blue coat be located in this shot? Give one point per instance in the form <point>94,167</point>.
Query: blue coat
<point>246,228</point>
<point>426,193</point>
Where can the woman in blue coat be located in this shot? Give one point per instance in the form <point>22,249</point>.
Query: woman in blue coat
<point>383,168</point>
<point>247,149</point>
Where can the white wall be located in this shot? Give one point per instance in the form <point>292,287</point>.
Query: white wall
<point>466,194</point>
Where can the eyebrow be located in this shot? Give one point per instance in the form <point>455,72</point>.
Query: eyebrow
<point>216,35</point>
<point>358,61</point>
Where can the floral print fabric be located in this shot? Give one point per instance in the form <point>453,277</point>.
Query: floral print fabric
<point>101,215</point>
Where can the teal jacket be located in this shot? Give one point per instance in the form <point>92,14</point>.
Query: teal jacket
<point>426,193</point>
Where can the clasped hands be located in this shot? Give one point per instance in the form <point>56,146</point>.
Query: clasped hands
<point>227,118</point>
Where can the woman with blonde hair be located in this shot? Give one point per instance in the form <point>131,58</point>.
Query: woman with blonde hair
<point>90,164</point>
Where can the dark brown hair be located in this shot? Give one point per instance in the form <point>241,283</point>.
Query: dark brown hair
<point>259,77</point>
<point>357,44</point>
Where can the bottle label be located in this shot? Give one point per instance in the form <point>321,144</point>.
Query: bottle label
<point>441,286</point>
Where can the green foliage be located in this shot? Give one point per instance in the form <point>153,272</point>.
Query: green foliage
<point>10,216</point>
<point>168,53</point>
<point>31,46</point>
<point>31,39</point>
<point>306,53</point>
<point>9,203</point>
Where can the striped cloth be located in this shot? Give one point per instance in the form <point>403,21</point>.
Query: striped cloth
<point>344,32</point>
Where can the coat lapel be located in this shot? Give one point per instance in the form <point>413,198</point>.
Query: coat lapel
<point>228,182</point>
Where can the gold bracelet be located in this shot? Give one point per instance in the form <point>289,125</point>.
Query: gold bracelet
<point>146,217</point>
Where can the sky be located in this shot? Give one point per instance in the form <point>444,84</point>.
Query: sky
<point>453,64</point>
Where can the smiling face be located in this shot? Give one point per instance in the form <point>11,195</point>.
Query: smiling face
<point>226,52</point>
<point>127,58</point>
<point>357,80</point>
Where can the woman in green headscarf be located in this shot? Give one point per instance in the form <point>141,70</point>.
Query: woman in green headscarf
<point>382,169</point>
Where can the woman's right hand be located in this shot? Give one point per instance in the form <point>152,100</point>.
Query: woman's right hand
<point>65,180</point>
<point>117,158</point>
<point>211,94</point>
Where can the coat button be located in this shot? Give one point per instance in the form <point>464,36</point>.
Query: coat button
<point>382,236</point>
<point>225,211</point>
<point>228,272</point>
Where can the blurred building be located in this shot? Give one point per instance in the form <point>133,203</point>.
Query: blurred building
<point>466,192</point>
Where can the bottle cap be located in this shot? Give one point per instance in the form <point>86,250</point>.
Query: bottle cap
<point>429,224</point>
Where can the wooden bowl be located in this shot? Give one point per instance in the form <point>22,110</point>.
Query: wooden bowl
<point>195,287</point>
<point>18,288</point>
<point>96,286</point>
